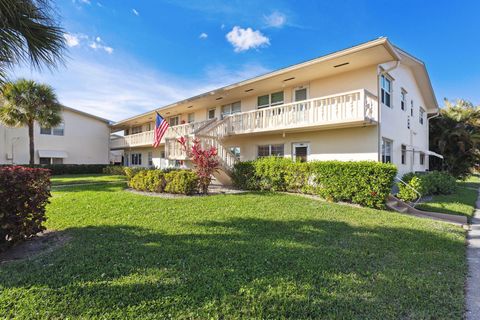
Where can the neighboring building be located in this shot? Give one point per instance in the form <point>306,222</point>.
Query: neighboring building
<point>81,139</point>
<point>367,102</point>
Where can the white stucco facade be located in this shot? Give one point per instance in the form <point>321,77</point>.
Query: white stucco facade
<point>85,140</point>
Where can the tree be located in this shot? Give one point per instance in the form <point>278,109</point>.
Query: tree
<point>29,33</point>
<point>205,161</point>
<point>455,134</point>
<point>25,102</point>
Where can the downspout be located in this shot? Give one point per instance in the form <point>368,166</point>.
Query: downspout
<point>428,135</point>
<point>380,72</point>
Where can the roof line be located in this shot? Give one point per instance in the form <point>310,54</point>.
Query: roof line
<point>335,54</point>
<point>87,114</point>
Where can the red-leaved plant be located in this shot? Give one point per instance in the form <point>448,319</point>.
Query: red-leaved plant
<point>205,161</point>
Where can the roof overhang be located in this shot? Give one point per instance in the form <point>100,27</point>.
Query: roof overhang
<point>367,54</point>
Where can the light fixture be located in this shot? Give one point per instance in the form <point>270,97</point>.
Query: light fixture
<point>288,79</point>
<point>248,90</point>
<point>189,107</point>
<point>341,64</point>
<point>219,98</point>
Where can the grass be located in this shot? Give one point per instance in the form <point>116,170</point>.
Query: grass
<point>254,255</point>
<point>85,178</point>
<point>462,202</point>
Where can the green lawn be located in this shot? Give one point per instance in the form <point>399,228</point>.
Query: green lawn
<point>462,202</point>
<point>248,255</point>
<point>84,178</point>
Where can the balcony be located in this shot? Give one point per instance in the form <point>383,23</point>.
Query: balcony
<point>352,108</point>
<point>145,139</point>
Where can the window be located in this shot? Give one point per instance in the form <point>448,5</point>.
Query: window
<point>386,150</point>
<point>235,151</point>
<point>136,159</point>
<point>270,100</point>
<point>45,160</point>
<point>301,94</point>
<point>174,121</point>
<point>271,150</point>
<point>421,114</point>
<point>148,126</point>
<point>150,159</point>
<point>162,154</point>
<point>231,108</point>
<point>56,131</point>
<point>137,129</point>
<point>191,117</point>
<point>127,132</point>
<point>403,102</point>
<point>57,161</point>
<point>386,92</point>
<point>211,113</point>
<point>411,108</point>
<point>404,154</point>
<point>422,158</point>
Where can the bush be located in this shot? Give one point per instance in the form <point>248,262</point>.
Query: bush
<point>24,193</point>
<point>148,180</point>
<point>130,172</point>
<point>114,170</point>
<point>366,183</point>
<point>181,181</point>
<point>430,183</point>
<point>59,169</point>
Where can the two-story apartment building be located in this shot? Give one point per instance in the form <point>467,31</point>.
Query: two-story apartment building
<point>368,102</point>
<point>81,138</point>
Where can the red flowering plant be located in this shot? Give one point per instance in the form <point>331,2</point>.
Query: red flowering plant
<point>205,161</point>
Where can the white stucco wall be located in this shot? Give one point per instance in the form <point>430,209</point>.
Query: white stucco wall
<point>85,140</point>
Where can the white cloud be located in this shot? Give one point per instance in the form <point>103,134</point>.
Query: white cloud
<point>135,12</point>
<point>203,35</point>
<point>222,26</point>
<point>71,39</point>
<point>245,39</point>
<point>98,45</point>
<point>275,19</point>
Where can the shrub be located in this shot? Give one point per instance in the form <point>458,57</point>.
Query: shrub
<point>366,183</point>
<point>59,169</point>
<point>148,180</point>
<point>114,170</point>
<point>406,192</point>
<point>24,193</point>
<point>181,181</point>
<point>130,172</point>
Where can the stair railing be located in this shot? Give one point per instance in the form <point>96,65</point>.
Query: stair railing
<point>413,189</point>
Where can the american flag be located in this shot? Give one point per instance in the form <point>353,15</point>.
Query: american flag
<point>161,126</point>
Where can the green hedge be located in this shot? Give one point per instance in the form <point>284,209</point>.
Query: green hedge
<point>430,183</point>
<point>114,170</point>
<point>171,181</point>
<point>59,169</point>
<point>366,183</point>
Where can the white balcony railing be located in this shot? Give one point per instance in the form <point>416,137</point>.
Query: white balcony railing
<point>146,138</point>
<point>348,107</point>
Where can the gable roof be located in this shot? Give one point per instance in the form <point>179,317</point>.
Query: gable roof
<point>87,114</point>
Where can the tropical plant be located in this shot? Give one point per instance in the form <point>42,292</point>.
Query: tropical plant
<point>205,161</point>
<point>455,134</point>
<point>29,33</point>
<point>26,101</point>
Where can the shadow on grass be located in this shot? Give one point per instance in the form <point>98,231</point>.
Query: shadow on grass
<point>243,267</point>
<point>96,187</point>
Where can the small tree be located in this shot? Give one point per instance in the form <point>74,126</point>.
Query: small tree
<point>205,161</point>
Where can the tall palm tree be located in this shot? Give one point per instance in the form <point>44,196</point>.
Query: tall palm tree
<point>29,33</point>
<point>26,101</point>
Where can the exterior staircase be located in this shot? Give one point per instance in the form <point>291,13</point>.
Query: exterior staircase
<point>400,206</point>
<point>208,138</point>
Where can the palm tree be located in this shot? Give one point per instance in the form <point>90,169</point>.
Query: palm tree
<point>456,135</point>
<point>26,101</point>
<point>29,33</point>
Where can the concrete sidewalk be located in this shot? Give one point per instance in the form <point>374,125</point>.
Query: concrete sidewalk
<point>472,291</point>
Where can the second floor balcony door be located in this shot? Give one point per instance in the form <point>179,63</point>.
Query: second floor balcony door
<point>301,109</point>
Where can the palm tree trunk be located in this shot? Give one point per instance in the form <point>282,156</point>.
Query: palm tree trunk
<point>32,143</point>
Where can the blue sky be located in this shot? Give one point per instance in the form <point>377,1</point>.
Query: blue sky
<point>130,56</point>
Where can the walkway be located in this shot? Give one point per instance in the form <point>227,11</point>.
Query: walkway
<point>473,259</point>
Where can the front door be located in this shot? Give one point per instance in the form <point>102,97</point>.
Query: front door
<point>301,152</point>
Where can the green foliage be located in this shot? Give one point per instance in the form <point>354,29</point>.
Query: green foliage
<point>130,172</point>
<point>182,182</point>
<point>30,34</point>
<point>455,134</point>
<point>431,183</point>
<point>24,193</point>
<point>63,169</point>
<point>148,180</point>
<point>366,183</point>
<point>407,192</point>
<point>114,170</point>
